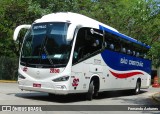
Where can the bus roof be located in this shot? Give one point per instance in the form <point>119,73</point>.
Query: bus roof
<point>74,18</point>
<point>85,21</point>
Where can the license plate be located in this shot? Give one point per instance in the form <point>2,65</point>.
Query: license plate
<point>36,85</point>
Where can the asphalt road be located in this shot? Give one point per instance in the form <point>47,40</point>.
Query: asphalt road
<point>10,94</point>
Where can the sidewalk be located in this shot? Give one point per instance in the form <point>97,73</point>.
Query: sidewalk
<point>7,81</point>
<point>156,97</point>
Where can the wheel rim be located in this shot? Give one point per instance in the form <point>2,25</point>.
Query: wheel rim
<point>137,88</point>
<point>93,90</point>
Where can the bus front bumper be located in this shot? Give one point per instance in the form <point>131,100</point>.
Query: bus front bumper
<point>48,87</point>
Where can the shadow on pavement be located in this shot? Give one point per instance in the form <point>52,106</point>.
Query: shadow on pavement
<point>73,97</point>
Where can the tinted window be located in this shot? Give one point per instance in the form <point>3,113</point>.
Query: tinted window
<point>88,43</point>
<point>46,44</point>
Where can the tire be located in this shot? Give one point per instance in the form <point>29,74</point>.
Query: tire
<point>91,90</point>
<point>137,88</point>
<point>51,95</point>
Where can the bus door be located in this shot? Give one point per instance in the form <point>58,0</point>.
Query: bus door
<point>87,51</point>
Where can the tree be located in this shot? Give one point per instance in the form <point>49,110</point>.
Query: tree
<point>14,13</point>
<point>139,19</point>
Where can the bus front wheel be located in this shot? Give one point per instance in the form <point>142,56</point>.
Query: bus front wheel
<point>51,95</point>
<point>91,90</point>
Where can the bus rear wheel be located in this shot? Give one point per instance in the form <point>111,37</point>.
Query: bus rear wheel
<point>136,91</point>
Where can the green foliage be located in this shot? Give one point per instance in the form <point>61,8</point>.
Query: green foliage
<point>136,18</point>
<point>8,68</point>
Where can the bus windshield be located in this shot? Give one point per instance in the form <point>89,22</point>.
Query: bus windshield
<point>45,45</point>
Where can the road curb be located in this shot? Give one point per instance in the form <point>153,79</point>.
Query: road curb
<point>8,81</point>
<point>155,98</point>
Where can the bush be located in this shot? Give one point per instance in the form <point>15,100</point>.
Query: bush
<point>8,68</point>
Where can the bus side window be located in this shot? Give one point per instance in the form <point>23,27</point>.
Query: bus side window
<point>112,47</point>
<point>123,50</point>
<point>128,52</point>
<point>105,44</point>
<point>87,44</point>
<point>113,42</point>
<point>137,54</point>
<point>141,55</point>
<point>116,42</point>
<point>134,53</point>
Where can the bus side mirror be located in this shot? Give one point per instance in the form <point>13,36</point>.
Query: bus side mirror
<point>70,32</point>
<point>17,30</point>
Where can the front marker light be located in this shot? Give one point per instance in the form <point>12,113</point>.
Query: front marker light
<point>63,78</point>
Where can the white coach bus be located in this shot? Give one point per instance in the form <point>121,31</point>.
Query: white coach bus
<point>65,53</point>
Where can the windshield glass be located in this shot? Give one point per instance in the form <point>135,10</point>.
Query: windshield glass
<point>45,45</point>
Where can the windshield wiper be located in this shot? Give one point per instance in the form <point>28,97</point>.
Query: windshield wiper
<point>50,60</point>
<point>45,50</point>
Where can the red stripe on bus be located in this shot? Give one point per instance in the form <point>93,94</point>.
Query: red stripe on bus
<point>125,75</point>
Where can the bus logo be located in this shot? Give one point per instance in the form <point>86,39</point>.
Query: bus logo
<point>75,82</point>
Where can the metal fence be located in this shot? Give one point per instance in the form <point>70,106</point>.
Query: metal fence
<point>8,68</point>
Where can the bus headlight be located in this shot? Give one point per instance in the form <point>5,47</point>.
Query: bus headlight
<point>21,76</point>
<point>63,78</point>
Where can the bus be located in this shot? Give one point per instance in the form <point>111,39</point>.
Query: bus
<point>66,53</point>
